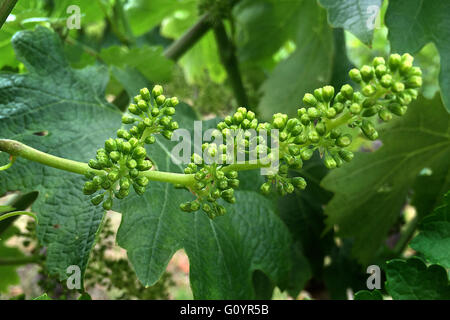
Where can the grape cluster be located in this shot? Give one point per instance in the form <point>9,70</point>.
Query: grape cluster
<point>387,88</point>
<point>118,165</point>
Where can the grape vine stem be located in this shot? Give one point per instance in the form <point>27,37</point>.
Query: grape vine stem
<point>18,149</point>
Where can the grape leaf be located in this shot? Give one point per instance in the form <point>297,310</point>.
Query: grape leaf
<point>307,68</point>
<point>143,15</point>
<point>303,214</point>
<point>413,280</point>
<point>371,190</point>
<point>433,240</point>
<point>257,21</point>
<point>222,252</point>
<point>61,111</point>
<point>414,23</point>
<point>357,16</point>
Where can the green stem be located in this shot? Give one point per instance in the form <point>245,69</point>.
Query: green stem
<point>339,121</point>
<point>179,47</point>
<point>230,62</point>
<point>18,213</point>
<point>406,236</point>
<point>12,159</point>
<point>5,9</point>
<point>19,149</point>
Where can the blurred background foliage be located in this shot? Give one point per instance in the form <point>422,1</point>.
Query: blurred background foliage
<point>217,55</point>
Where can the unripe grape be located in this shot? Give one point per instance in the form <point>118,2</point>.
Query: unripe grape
<point>139,153</point>
<point>97,199</point>
<point>335,133</point>
<point>385,115</point>
<point>89,188</point>
<point>380,71</point>
<point>331,113</point>
<point>299,183</point>
<point>310,100</point>
<point>134,109</point>
<point>346,155</point>
<point>344,140</point>
<point>142,181</point>
<point>155,112</point>
<point>127,119</point>
<point>134,172</point>
<point>238,117</point>
<point>378,61</point>
<point>414,82</point>
<point>250,115</point>
<point>170,111</point>
<point>157,90</point>
<point>160,100</point>
<point>397,109</point>
<point>126,147</point>
<point>150,140</point>
<point>313,113</point>
<point>301,112</point>
<point>304,119</point>
<point>124,183</point>
<point>369,130</point>
<point>318,93</point>
<point>114,156</point>
<point>355,108</point>
<point>306,154</point>
<point>394,61</point>
<point>137,98</point>
<point>386,80</point>
<point>131,164</point>
<point>301,139</point>
<point>113,176</point>
<point>338,106</point>
<point>355,75</point>
<point>398,87</point>
<point>368,90</point>
<point>347,91</point>
<point>367,73</point>
<point>174,101</point>
<point>329,161</point>
<point>142,105</point>
<point>107,204</point>
<point>369,112</point>
<point>321,128</point>
<point>313,136</point>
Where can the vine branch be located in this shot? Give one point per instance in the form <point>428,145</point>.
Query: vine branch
<point>5,9</point>
<point>230,62</point>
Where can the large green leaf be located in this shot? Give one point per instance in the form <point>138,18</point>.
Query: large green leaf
<point>61,111</point>
<point>357,16</point>
<point>413,280</point>
<point>307,68</point>
<point>150,61</point>
<point>222,252</point>
<point>303,214</point>
<point>414,23</point>
<point>260,20</point>
<point>143,15</point>
<point>371,190</point>
<point>433,240</point>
